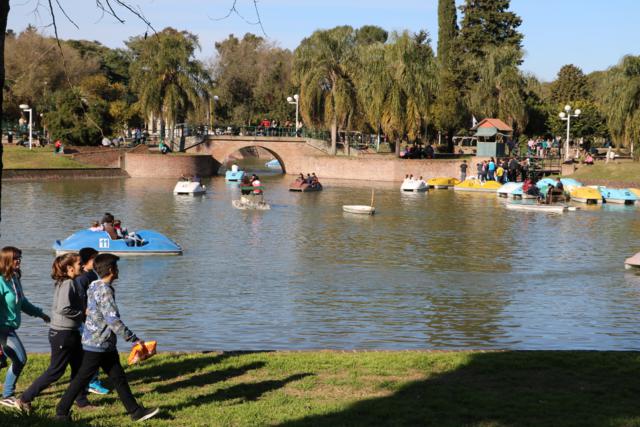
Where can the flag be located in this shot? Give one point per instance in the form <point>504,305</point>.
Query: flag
<point>474,122</point>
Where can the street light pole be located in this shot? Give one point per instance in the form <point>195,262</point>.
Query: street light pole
<point>212,112</point>
<point>26,108</point>
<point>566,116</point>
<point>295,100</point>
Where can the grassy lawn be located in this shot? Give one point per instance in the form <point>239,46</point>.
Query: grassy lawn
<point>366,389</point>
<point>628,172</point>
<point>15,157</point>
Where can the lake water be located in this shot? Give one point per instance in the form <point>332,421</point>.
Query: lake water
<point>437,271</point>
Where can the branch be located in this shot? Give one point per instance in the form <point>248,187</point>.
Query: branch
<point>234,11</point>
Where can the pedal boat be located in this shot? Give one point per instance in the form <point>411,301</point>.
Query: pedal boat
<point>273,164</point>
<point>414,185</point>
<point>154,244</point>
<point>190,188</point>
<point>618,196</point>
<point>251,201</point>
<point>588,195</point>
<point>633,262</point>
<point>235,174</point>
<point>475,185</point>
<point>569,184</point>
<point>442,183</point>
<point>304,187</point>
<point>507,189</point>
<point>635,191</point>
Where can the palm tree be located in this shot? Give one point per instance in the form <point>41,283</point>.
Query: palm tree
<point>327,92</point>
<point>621,101</point>
<point>396,85</point>
<point>166,78</point>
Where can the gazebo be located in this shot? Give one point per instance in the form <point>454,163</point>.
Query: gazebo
<point>492,135</point>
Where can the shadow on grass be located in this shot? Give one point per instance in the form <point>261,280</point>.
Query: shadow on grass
<point>208,378</point>
<point>156,369</point>
<point>245,392</point>
<point>11,418</point>
<point>511,388</point>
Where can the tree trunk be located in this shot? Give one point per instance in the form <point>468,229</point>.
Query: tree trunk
<point>450,140</point>
<point>334,135</point>
<point>4,13</point>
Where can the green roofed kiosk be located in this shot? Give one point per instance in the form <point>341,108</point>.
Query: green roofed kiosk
<point>492,136</point>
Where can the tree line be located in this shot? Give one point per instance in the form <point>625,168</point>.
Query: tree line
<point>349,79</point>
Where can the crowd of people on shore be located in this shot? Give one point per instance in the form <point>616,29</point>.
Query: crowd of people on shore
<point>418,151</point>
<point>508,169</point>
<point>83,329</point>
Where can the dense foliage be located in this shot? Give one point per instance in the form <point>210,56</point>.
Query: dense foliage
<point>349,79</point>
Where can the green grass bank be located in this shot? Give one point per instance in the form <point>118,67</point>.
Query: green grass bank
<point>15,157</point>
<point>619,173</point>
<point>324,388</point>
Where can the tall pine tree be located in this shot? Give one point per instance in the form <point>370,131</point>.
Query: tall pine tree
<point>449,108</point>
<point>488,23</point>
<point>447,28</point>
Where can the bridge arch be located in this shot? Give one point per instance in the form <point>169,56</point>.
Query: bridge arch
<point>294,154</point>
<point>277,156</point>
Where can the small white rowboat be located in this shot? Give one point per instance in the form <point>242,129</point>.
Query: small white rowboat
<point>537,208</point>
<point>359,209</point>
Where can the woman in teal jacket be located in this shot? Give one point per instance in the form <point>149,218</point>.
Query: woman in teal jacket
<point>12,302</point>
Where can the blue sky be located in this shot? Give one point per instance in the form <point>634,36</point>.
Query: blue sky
<point>592,34</point>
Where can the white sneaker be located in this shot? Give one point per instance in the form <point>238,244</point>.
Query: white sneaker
<point>10,402</point>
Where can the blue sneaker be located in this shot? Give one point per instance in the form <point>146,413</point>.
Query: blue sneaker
<point>97,387</point>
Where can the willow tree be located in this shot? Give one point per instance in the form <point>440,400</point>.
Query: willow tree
<point>165,76</point>
<point>397,84</point>
<point>321,70</point>
<point>499,89</point>
<point>621,101</point>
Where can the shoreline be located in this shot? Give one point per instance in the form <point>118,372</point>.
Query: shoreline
<point>58,174</point>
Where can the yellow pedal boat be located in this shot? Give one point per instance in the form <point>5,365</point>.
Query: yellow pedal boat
<point>587,195</point>
<point>442,183</point>
<point>478,186</point>
<point>635,191</point>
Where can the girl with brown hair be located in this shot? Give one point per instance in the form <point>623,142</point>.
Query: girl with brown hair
<point>67,314</point>
<point>12,303</point>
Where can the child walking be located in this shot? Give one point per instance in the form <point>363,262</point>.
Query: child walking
<point>87,255</point>
<point>64,336</point>
<point>99,343</point>
<point>12,303</point>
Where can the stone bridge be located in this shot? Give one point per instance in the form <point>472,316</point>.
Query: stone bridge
<point>292,153</point>
<point>309,155</point>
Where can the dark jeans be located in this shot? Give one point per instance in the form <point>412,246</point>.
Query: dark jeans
<point>66,349</point>
<point>110,364</point>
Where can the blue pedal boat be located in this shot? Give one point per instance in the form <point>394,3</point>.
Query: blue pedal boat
<point>621,196</point>
<point>154,244</point>
<point>235,174</point>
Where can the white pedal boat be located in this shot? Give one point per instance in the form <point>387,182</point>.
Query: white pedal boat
<point>191,188</point>
<point>414,185</point>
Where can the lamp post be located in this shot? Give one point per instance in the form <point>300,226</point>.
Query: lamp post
<point>26,108</point>
<point>212,108</point>
<point>566,116</point>
<point>295,100</point>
